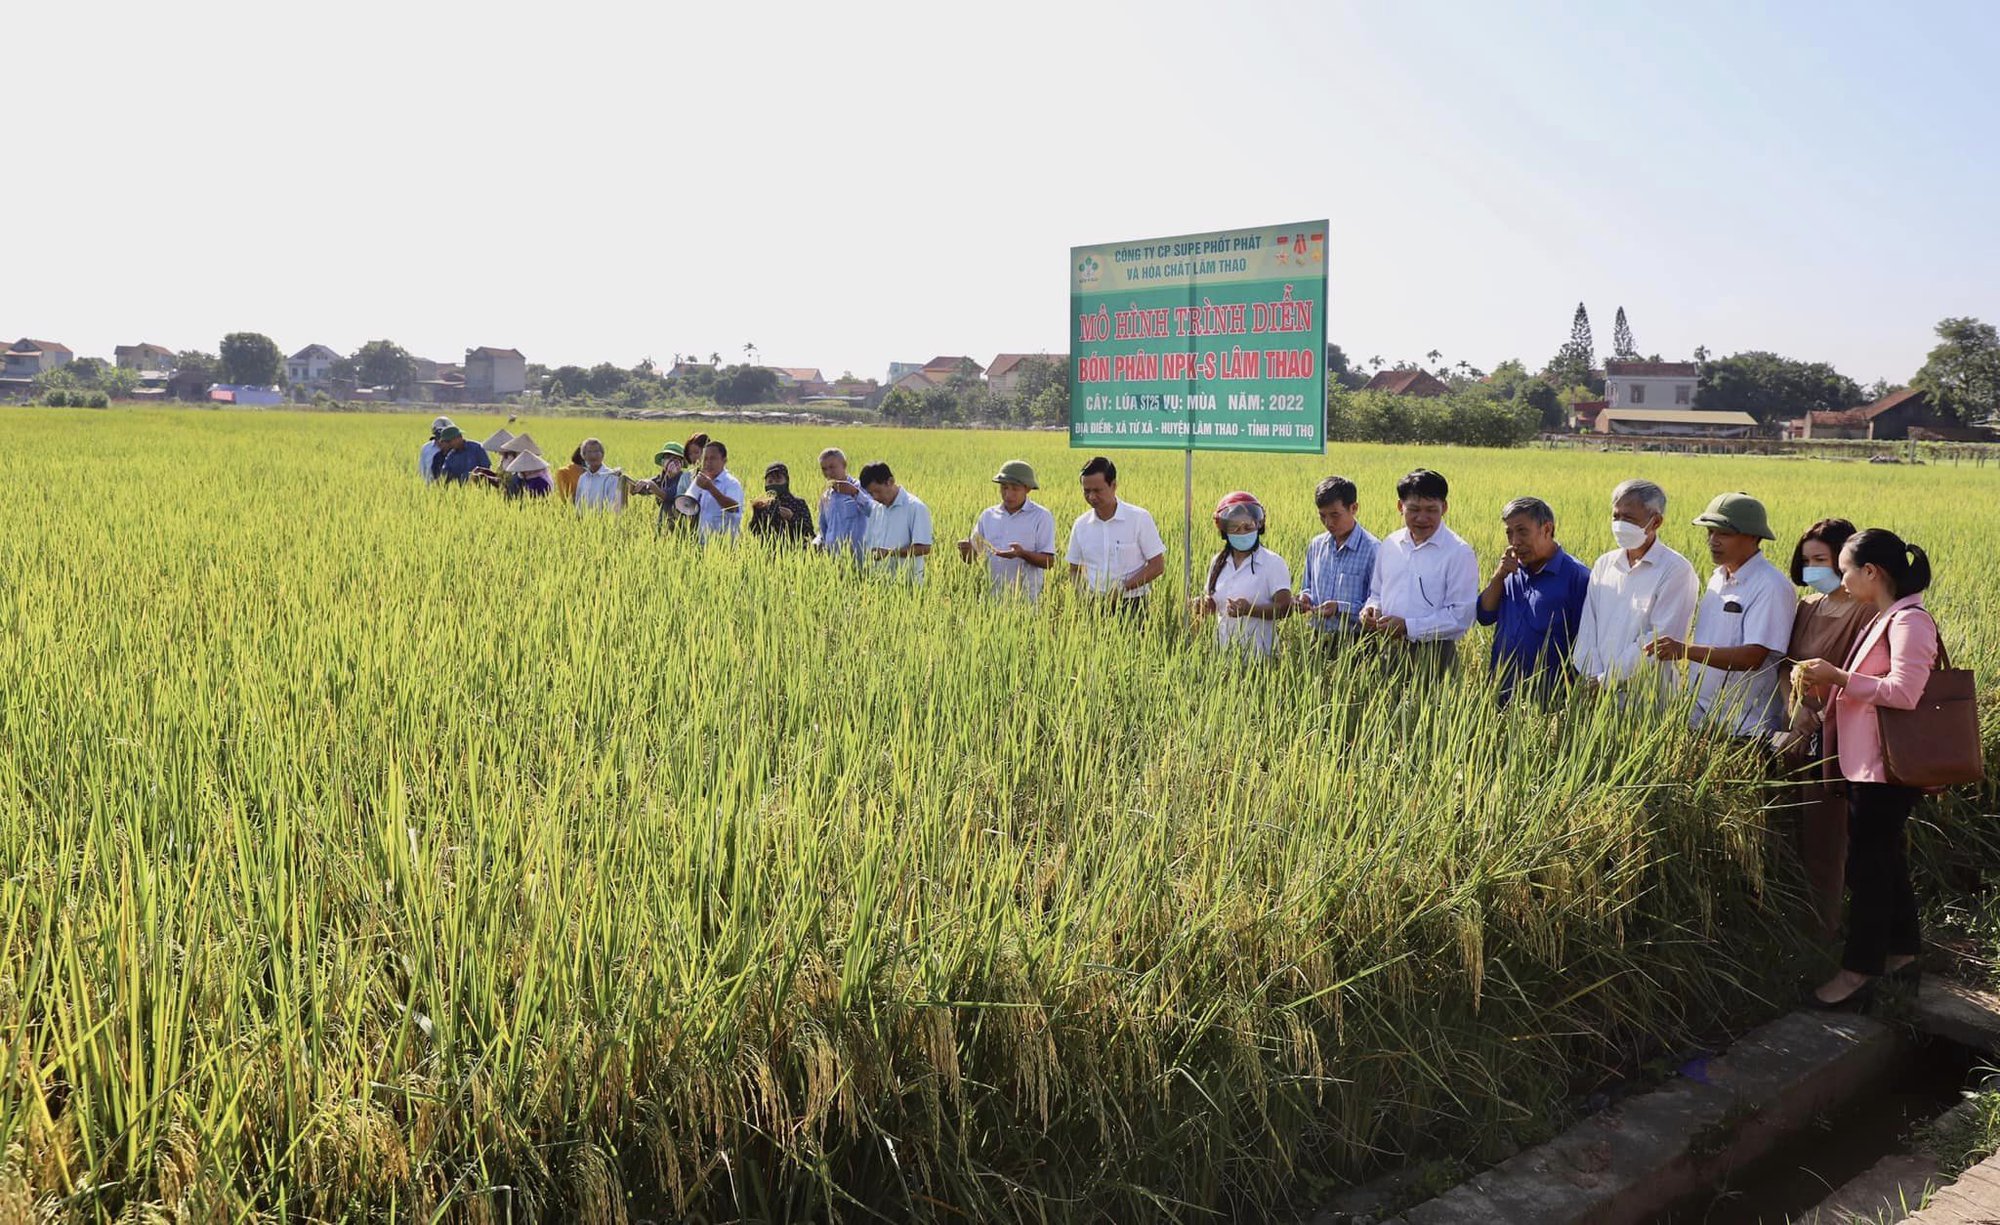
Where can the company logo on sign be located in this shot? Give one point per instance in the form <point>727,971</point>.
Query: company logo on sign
<point>1089,272</point>
<point>1301,249</point>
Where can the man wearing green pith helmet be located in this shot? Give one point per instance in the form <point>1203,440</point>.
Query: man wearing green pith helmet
<point>1743,626</point>
<point>1015,537</point>
<point>671,483</point>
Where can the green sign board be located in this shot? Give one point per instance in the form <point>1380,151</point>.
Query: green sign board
<point>1205,342</point>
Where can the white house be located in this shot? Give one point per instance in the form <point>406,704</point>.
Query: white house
<point>145,358</point>
<point>491,373</point>
<point>311,366</point>
<point>1667,385</point>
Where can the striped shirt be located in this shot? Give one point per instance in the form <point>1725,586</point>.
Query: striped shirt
<point>1339,571</point>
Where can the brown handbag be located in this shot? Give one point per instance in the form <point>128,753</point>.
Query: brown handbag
<point>1936,743</point>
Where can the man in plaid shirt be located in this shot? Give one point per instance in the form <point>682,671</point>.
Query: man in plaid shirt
<point>1338,563</point>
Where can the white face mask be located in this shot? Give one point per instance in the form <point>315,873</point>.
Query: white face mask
<point>1628,535</point>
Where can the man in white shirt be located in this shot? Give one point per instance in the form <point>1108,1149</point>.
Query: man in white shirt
<point>1743,626</point>
<point>1016,538</point>
<point>1639,591</point>
<point>598,487</point>
<point>1114,548</point>
<point>720,494</point>
<point>898,537</point>
<point>1424,591</point>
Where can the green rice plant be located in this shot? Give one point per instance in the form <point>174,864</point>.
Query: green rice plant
<point>380,851</point>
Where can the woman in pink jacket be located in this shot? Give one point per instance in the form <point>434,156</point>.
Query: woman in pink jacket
<point>1889,666</point>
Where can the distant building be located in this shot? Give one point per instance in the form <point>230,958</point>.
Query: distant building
<point>1003,377</point>
<point>1586,412</point>
<point>686,369</point>
<point>243,394</point>
<point>941,369</point>
<point>796,383</point>
<point>491,373</point>
<point>441,382</point>
<point>850,390</point>
<point>899,369</point>
<point>1650,384</point>
<point>1667,423</point>
<point>311,367</point>
<point>1890,418</point>
<point>27,358</point>
<point>187,385</point>
<point>914,380</point>
<point>145,358</point>
<point>1411,382</point>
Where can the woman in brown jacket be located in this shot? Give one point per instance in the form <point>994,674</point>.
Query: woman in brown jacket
<point>1828,623</point>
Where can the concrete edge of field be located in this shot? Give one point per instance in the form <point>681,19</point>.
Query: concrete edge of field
<point>1640,1156</point>
<point>1971,1018</point>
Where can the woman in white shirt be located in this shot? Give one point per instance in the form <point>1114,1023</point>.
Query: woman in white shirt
<point>1249,586</point>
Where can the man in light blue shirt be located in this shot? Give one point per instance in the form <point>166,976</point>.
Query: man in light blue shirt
<point>899,526</point>
<point>720,494</point>
<point>1339,562</point>
<point>843,510</point>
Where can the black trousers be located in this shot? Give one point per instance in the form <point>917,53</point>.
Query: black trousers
<point>1881,905</point>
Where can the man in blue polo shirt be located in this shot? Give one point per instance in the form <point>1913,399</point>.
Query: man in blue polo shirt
<point>1535,600</point>
<point>456,459</point>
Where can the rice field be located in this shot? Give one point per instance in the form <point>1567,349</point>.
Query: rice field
<point>380,852</point>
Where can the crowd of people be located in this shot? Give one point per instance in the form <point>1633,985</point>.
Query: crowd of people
<point>1799,674</point>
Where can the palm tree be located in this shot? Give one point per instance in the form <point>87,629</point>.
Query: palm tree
<point>714,358</point>
<point>1433,356</point>
<point>750,352</point>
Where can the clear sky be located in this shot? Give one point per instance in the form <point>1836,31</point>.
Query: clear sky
<point>846,184</point>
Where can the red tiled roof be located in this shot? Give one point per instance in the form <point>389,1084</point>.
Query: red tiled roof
<point>1654,370</point>
<point>1838,416</point>
<point>950,365</point>
<point>1407,382</point>
<point>489,351</point>
<point>312,351</point>
<point>25,345</point>
<point>1883,405</point>
<point>143,348</point>
<point>1003,362</point>
<point>799,374</point>
<point>1586,410</point>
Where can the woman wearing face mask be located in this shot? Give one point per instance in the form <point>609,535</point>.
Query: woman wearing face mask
<point>1887,669</point>
<point>1249,586</point>
<point>1826,626</point>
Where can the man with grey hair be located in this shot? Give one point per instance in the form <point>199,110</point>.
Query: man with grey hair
<point>1534,601</point>
<point>843,508</point>
<point>1640,591</point>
